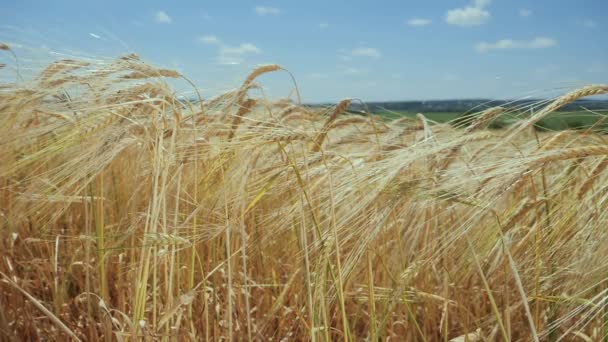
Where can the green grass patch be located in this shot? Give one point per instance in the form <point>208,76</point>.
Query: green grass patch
<point>435,116</point>
<point>556,121</point>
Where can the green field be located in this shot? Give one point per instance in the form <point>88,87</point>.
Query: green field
<point>556,121</point>
<point>435,116</point>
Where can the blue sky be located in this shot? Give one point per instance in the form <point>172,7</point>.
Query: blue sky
<point>372,50</point>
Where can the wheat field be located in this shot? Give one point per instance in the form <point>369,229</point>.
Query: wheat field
<point>128,213</point>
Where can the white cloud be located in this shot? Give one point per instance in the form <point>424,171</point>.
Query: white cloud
<point>536,43</point>
<point>472,15</point>
<point>229,60</point>
<point>94,35</point>
<point>229,55</point>
<point>417,22</point>
<point>524,12</point>
<point>346,58</point>
<point>481,3</point>
<point>541,43</point>
<point>589,23</point>
<point>235,54</point>
<point>241,49</point>
<point>355,71</point>
<point>468,16</point>
<point>209,39</point>
<point>368,52</point>
<point>323,25</point>
<point>163,18</point>
<point>264,10</point>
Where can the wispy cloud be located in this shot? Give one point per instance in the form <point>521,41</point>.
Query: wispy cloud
<point>418,22</point>
<point>236,54</point>
<point>241,49</point>
<point>229,55</point>
<point>265,10</point>
<point>209,39</point>
<point>317,75</point>
<point>94,35</point>
<point>367,52</point>
<point>355,71</point>
<point>481,3</point>
<point>468,16</point>
<point>503,44</point>
<point>162,17</point>
<point>206,16</point>
<point>524,12</point>
<point>590,23</point>
<point>323,26</point>
<point>472,15</point>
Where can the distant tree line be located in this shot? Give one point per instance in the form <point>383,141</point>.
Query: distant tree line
<point>466,105</point>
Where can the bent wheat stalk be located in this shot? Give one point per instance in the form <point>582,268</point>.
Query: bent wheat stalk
<point>340,108</point>
<point>561,101</point>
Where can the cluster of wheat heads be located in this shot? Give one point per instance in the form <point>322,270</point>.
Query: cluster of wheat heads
<point>127,213</point>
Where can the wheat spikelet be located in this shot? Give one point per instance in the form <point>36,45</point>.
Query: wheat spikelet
<point>405,119</point>
<point>283,103</point>
<point>340,108</point>
<point>553,141</point>
<point>349,121</point>
<point>287,137</point>
<point>252,76</point>
<point>222,99</point>
<point>5,47</point>
<point>393,147</point>
<point>244,109</point>
<point>351,139</point>
<point>55,115</point>
<point>260,71</point>
<point>63,65</point>
<point>457,145</point>
<point>299,116</point>
<point>559,155</point>
<point>593,175</point>
<point>519,213</point>
<point>590,90</point>
<point>485,117</point>
<point>290,109</point>
<point>570,153</point>
<point>135,75</point>
<point>411,128</point>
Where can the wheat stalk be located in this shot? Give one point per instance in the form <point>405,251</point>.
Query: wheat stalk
<point>244,109</point>
<point>561,101</point>
<point>340,108</point>
<point>593,176</point>
<point>485,117</point>
<point>570,153</point>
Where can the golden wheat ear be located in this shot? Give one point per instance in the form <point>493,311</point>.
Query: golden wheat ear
<point>339,109</point>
